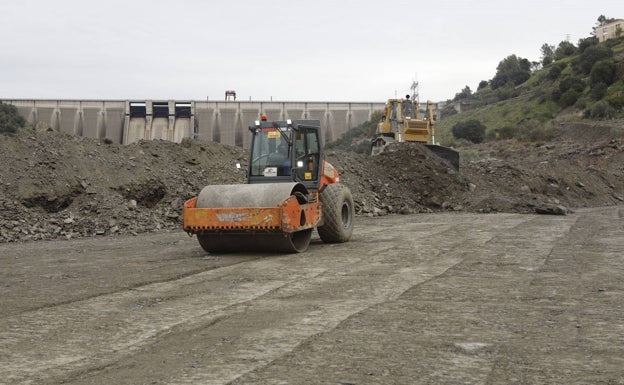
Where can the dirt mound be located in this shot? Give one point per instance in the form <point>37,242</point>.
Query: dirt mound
<point>582,167</point>
<point>404,178</point>
<point>54,185</point>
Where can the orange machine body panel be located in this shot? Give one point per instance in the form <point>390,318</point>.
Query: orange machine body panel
<point>288,216</point>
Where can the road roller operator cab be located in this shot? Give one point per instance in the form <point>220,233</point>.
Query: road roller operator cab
<point>286,151</point>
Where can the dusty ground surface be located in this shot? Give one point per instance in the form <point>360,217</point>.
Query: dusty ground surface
<point>412,299</point>
<point>470,287</point>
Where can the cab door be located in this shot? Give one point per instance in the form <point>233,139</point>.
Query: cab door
<point>307,154</point>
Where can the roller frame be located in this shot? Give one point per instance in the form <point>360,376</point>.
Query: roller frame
<point>287,217</point>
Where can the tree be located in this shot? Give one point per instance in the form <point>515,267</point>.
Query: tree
<point>464,94</point>
<point>592,55</point>
<point>583,44</point>
<point>548,54</point>
<point>602,20</point>
<point>555,70</point>
<point>512,69</point>
<point>482,85</point>
<point>569,97</point>
<point>602,72</point>
<point>598,91</point>
<point>472,130</point>
<point>571,83</point>
<point>570,88</point>
<point>564,50</point>
<point>10,119</point>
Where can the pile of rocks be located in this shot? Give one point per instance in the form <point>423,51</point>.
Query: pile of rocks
<point>58,186</point>
<point>405,178</point>
<point>53,185</point>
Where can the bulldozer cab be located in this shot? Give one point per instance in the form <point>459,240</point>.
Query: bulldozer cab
<point>286,151</point>
<point>401,123</point>
<point>400,110</point>
<point>408,110</point>
<point>397,111</point>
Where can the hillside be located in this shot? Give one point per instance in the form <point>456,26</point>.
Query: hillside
<point>584,83</point>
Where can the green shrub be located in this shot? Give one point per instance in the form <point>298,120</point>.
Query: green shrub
<point>583,44</point>
<point>564,50</point>
<point>10,119</point>
<point>581,103</point>
<point>616,101</point>
<point>614,95</point>
<point>554,72</point>
<point>555,94</point>
<point>602,110</point>
<point>569,98</point>
<point>592,55</point>
<point>598,91</point>
<point>571,83</point>
<point>472,130</point>
<point>602,72</point>
<point>507,92</point>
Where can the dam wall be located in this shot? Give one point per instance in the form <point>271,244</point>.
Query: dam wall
<point>127,121</point>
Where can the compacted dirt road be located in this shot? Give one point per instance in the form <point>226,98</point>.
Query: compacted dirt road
<point>413,299</point>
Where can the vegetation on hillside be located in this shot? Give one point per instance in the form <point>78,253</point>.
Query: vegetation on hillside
<point>10,119</point>
<point>523,98</point>
<point>471,130</point>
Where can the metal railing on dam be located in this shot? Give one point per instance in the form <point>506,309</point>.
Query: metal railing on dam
<point>126,121</point>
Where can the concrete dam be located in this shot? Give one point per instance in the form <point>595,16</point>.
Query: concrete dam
<point>125,121</point>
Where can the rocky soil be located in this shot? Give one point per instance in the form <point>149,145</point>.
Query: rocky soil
<point>57,186</point>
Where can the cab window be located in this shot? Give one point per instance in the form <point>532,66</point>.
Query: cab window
<point>270,149</point>
<point>307,154</point>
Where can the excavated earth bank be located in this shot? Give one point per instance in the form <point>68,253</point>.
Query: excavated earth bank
<point>53,185</point>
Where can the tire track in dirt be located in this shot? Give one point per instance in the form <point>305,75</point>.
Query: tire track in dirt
<point>93,331</point>
<point>441,330</point>
<point>375,267</point>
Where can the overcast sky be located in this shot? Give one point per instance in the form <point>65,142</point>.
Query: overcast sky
<point>317,50</point>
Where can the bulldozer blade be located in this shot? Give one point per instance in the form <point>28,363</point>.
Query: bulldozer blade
<point>446,153</point>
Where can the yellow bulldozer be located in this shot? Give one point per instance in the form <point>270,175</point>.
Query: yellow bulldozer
<point>290,191</point>
<point>401,123</point>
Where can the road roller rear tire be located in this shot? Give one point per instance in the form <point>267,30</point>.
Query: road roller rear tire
<point>338,214</point>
